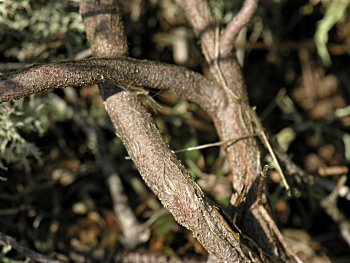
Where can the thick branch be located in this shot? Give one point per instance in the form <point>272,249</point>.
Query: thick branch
<point>104,27</point>
<point>121,71</point>
<point>157,164</point>
<point>234,119</point>
<point>235,26</point>
<point>105,32</point>
<point>164,173</point>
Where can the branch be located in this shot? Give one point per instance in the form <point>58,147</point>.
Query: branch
<point>122,71</point>
<point>154,257</point>
<point>169,180</point>
<point>105,32</point>
<point>235,26</point>
<point>7,240</point>
<point>225,70</point>
<point>104,27</point>
<point>233,120</point>
<point>157,164</point>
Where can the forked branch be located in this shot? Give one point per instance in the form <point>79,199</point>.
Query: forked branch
<point>235,26</point>
<point>204,25</point>
<point>157,164</point>
<point>235,118</point>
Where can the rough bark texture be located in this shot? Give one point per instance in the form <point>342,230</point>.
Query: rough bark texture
<point>126,72</point>
<point>104,27</point>
<point>169,180</point>
<point>105,32</point>
<point>225,99</point>
<point>156,163</point>
<point>232,118</point>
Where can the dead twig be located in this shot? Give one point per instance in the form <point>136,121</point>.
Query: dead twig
<point>216,144</point>
<point>10,241</point>
<point>268,146</point>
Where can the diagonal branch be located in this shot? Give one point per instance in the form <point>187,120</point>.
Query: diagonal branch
<point>235,26</point>
<point>122,71</point>
<point>157,164</point>
<point>234,119</point>
<point>169,180</point>
<point>9,241</point>
<point>105,33</point>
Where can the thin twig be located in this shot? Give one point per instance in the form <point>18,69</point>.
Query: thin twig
<point>267,144</point>
<point>10,241</point>
<point>216,144</point>
<point>235,26</point>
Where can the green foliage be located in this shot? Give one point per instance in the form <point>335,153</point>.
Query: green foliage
<point>17,118</point>
<point>335,12</point>
<point>36,26</point>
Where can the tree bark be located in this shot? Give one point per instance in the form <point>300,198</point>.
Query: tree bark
<point>224,99</point>
<point>157,164</point>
